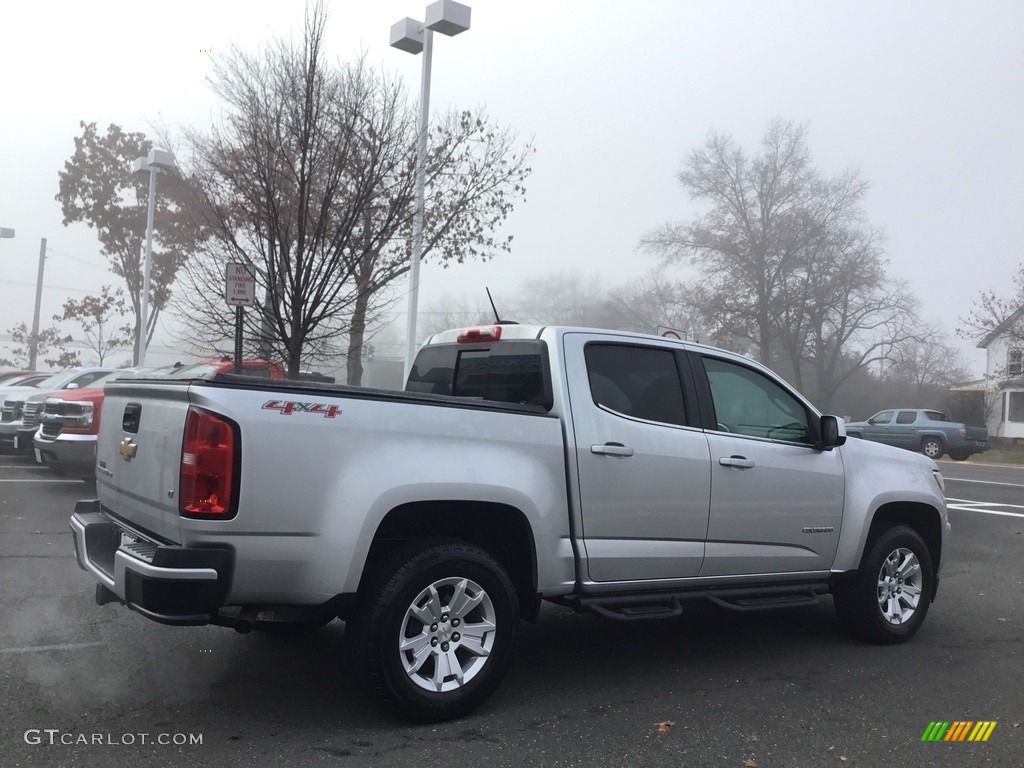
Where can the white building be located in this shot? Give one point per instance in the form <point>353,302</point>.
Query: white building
<point>1004,377</point>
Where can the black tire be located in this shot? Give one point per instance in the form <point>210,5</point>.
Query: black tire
<point>384,617</point>
<point>859,603</point>
<point>958,455</point>
<point>932,447</point>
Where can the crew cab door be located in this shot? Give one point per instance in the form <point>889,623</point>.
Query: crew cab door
<point>879,427</point>
<point>642,462</point>
<point>776,500</point>
<point>904,433</point>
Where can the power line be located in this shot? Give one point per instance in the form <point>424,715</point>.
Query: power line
<point>78,259</point>
<point>46,287</point>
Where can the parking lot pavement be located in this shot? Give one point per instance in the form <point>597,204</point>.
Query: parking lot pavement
<point>711,689</point>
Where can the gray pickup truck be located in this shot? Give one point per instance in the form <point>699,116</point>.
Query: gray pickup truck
<point>621,474</point>
<point>921,429</point>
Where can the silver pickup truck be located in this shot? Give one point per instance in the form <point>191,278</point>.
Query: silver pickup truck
<point>616,473</point>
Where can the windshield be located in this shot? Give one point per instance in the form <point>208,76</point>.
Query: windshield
<point>58,380</point>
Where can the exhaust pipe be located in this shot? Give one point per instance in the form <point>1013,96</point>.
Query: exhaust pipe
<point>246,621</point>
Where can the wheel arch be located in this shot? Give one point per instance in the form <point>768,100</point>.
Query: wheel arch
<point>923,518</point>
<point>500,529</point>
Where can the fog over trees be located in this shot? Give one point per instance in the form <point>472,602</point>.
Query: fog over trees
<point>309,179</point>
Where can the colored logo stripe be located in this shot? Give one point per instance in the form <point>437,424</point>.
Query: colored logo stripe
<point>958,730</point>
<point>982,730</point>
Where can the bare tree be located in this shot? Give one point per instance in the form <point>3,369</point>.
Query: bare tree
<point>656,299</point>
<point>788,265</point>
<point>993,312</point>
<point>927,361</point>
<point>309,179</point>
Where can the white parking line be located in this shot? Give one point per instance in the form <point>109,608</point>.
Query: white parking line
<point>23,466</point>
<point>966,505</point>
<point>44,648</point>
<point>982,482</point>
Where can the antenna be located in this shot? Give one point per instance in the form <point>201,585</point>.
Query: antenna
<point>497,319</point>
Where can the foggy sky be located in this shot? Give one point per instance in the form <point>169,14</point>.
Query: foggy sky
<point>925,98</point>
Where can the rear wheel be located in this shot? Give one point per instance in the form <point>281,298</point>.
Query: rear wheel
<point>932,447</point>
<point>958,455</point>
<point>433,637</point>
<point>889,597</point>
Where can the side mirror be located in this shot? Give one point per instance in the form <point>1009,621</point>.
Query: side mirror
<point>833,432</point>
<point>72,385</point>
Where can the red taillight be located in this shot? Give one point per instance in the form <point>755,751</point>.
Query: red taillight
<point>208,455</point>
<point>473,335</point>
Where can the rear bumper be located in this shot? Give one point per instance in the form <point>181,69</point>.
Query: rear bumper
<point>164,582</point>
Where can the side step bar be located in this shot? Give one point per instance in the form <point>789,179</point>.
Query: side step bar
<point>669,605</point>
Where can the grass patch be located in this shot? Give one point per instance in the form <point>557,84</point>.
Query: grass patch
<point>999,456</point>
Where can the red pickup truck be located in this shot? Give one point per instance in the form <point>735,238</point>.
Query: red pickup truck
<point>66,438</point>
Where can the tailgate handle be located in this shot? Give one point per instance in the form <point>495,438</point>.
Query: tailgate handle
<point>130,420</point>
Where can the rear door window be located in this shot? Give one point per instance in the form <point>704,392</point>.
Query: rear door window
<point>906,417</point>
<point>642,382</point>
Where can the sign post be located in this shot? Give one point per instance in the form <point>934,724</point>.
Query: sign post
<point>239,292</point>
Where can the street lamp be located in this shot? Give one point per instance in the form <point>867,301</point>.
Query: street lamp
<point>156,160</point>
<point>409,35</point>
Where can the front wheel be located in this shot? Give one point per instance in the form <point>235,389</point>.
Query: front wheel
<point>932,447</point>
<point>889,597</point>
<point>432,638</point>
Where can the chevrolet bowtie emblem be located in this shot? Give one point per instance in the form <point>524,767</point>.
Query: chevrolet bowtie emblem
<point>128,449</point>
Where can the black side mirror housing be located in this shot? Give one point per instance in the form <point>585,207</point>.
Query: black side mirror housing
<point>832,430</point>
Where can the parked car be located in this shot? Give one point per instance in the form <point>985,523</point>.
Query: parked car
<point>70,421</point>
<point>19,378</point>
<point>21,409</point>
<point>621,474</point>
<point>22,381</point>
<point>922,429</point>
<point>66,438</point>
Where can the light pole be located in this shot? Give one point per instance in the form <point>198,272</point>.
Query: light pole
<point>156,160</point>
<point>448,18</point>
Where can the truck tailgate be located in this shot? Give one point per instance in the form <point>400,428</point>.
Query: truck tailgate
<point>138,455</point>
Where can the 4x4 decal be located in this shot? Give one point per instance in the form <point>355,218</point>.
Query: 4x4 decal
<point>288,407</point>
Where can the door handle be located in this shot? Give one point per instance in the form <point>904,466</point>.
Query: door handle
<point>740,462</point>
<point>612,449</point>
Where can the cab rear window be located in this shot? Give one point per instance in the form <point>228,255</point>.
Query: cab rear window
<point>504,372</point>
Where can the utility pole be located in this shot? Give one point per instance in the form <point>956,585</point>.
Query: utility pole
<point>33,346</point>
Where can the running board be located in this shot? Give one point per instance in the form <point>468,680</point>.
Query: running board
<point>669,605</point>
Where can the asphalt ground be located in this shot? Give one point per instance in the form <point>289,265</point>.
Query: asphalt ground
<point>82,685</point>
